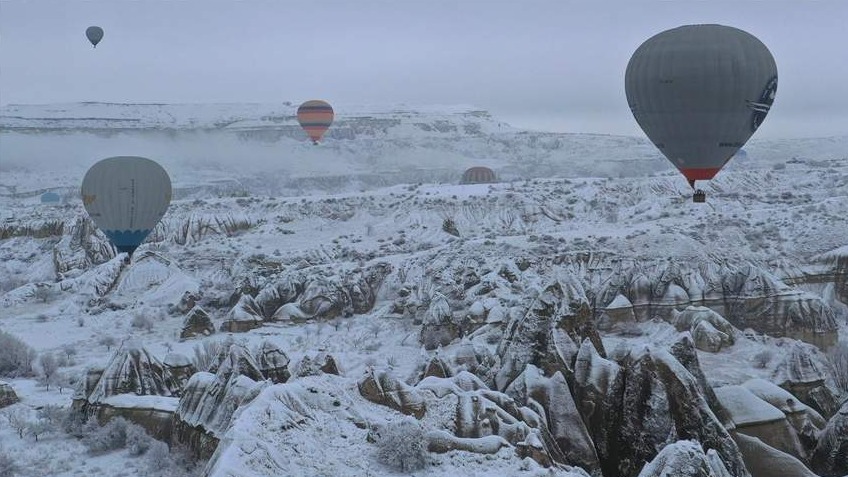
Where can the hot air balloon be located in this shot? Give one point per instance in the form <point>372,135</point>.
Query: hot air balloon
<point>699,92</point>
<point>315,117</point>
<point>126,196</point>
<point>94,34</point>
<point>478,175</point>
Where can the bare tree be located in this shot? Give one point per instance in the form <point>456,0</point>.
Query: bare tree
<point>838,357</point>
<point>49,365</point>
<point>38,428</point>
<point>70,351</point>
<point>108,341</point>
<point>375,327</point>
<point>16,421</point>
<point>402,445</point>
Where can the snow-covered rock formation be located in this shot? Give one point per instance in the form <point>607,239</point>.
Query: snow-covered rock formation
<point>7,394</point>
<point>802,371</point>
<point>206,409</point>
<point>830,458</point>
<point>196,323</point>
<point>685,459</point>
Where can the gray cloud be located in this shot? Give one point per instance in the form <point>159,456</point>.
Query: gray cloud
<point>552,64</point>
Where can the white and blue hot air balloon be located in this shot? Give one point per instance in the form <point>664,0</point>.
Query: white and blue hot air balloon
<point>126,196</point>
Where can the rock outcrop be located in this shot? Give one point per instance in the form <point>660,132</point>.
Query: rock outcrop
<point>234,359</point>
<point>563,420</point>
<point>709,330</point>
<point>134,385</point>
<point>196,323</point>
<point>273,363</point>
<point>181,368</point>
<point>633,406</point>
<point>546,336</point>
<point>830,458</point>
<point>379,386</point>
<point>754,417</point>
<point>685,459</point>
<point>747,296</point>
<point>322,295</point>
<point>806,422</point>
<point>7,395</point>
<point>206,409</point>
<point>440,326</point>
<point>802,371</point>
<point>133,370</point>
<point>763,460</point>
<point>244,316</point>
<point>321,363</point>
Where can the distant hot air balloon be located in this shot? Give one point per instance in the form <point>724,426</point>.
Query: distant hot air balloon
<point>315,117</point>
<point>478,175</point>
<point>94,34</point>
<point>699,92</point>
<point>126,196</point>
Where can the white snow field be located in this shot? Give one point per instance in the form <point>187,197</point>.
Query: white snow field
<point>259,210</point>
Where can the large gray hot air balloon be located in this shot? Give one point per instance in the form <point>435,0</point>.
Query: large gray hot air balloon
<point>94,35</point>
<point>126,196</point>
<point>699,92</point>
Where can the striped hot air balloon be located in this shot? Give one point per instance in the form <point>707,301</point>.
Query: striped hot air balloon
<point>478,175</point>
<point>126,196</point>
<point>315,117</point>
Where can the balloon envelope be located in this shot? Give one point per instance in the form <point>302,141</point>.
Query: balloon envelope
<point>315,117</point>
<point>478,175</point>
<point>94,34</point>
<point>126,196</point>
<point>699,92</point>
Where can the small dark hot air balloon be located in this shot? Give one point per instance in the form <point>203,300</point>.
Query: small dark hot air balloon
<point>478,175</point>
<point>126,196</point>
<point>699,92</point>
<point>315,117</point>
<point>94,35</point>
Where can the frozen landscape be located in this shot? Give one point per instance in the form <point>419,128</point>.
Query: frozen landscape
<point>350,309</point>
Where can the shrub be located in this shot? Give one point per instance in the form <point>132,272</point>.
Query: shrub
<point>762,359</point>
<point>112,436</point>
<point>402,445</point>
<point>142,321</point>
<point>108,341</point>
<point>138,442</point>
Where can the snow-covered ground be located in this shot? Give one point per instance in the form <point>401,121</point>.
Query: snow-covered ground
<point>379,189</point>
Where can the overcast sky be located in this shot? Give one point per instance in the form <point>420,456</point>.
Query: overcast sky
<point>546,64</point>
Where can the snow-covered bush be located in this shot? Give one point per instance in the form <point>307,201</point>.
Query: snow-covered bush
<point>53,414</point>
<point>108,341</point>
<point>762,358</point>
<point>402,445</point>
<point>138,441</point>
<point>16,357</point>
<point>112,436</point>
<point>74,424</point>
<point>176,462</point>
<point>45,293</point>
<point>142,321</point>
